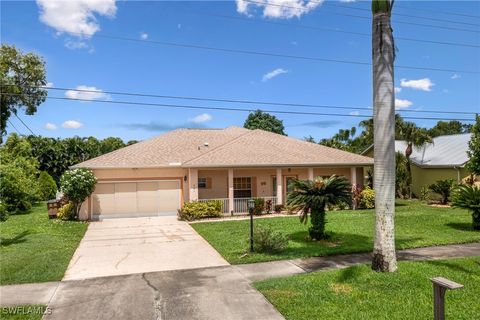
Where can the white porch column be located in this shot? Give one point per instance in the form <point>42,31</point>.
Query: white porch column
<point>230,190</point>
<point>279,186</point>
<point>353,175</point>
<point>192,184</point>
<point>310,174</point>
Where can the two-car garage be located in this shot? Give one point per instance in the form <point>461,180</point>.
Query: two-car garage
<point>136,198</point>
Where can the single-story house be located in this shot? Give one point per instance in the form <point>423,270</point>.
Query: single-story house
<point>444,158</point>
<point>156,176</point>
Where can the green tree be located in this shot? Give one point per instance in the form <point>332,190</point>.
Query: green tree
<point>443,188</point>
<point>383,56</point>
<point>312,197</point>
<point>77,185</point>
<point>22,77</point>
<point>264,121</point>
<point>473,164</point>
<point>413,136</point>
<point>443,128</point>
<point>401,175</point>
<point>111,144</point>
<point>47,186</point>
<point>468,197</point>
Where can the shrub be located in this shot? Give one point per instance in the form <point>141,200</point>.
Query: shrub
<point>265,239</point>
<point>77,185</point>
<point>367,198</point>
<point>47,186</point>
<point>424,194</point>
<point>66,212</point>
<point>268,206</point>
<point>468,197</point>
<point>195,210</point>
<point>291,209</point>
<point>258,206</point>
<point>443,188</point>
<point>279,208</point>
<point>3,212</point>
<point>18,185</point>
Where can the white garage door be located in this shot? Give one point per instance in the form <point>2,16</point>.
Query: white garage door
<point>136,199</point>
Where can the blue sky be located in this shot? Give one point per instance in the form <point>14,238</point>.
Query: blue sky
<point>115,65</point>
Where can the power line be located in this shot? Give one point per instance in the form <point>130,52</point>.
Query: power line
<point>442,12</point>
<point>243,101</point>
<point>23,122</point>
<point>397,14</point>
<point>271,54</point>
<point>178,106</point>
<point>368,18</point>
<point>10,122</point>
<point>302,26</point>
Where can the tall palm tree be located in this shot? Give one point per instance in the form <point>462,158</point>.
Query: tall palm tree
<point>414,137</point>
<point>312,197</point>
<point>383,55</point>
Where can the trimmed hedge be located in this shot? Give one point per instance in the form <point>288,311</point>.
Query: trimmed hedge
<point>195,210</point>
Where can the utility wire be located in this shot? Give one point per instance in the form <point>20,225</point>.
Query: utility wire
<point>178,106</point>
<point>368,18</point>
<point>10,122</point>
<point>326,29</point>
<point>242,101</point>
<point>440,11</point>
<point>22,121</point>
<point>329,3</point>
<point>270,54</point>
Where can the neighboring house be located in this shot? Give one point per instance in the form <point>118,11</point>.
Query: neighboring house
<point>445,158</point>
<point>156,176</point>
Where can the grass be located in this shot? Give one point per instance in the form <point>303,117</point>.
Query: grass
<point>360,293</point>
<point>26,312</point>
<point>34,248</point>
<point>417,225</point>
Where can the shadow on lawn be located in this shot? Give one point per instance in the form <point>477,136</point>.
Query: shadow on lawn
<point>453,266</point>
<point>19,238</point>
<point>462,226</point>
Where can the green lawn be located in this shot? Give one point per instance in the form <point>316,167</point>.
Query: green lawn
<point>36,249</point>
<point>26,312</point>
<point>417,225</point>
<point>360,293</point>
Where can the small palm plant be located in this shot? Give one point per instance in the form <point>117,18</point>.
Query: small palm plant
<point>312,197</point>
<point>468,197</point>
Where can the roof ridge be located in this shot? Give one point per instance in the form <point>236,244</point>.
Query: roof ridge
<point>222,145</point>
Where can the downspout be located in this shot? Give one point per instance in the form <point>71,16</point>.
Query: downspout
<point>458,173</point>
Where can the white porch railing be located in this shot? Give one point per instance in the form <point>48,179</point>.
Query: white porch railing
<point>240,205</point>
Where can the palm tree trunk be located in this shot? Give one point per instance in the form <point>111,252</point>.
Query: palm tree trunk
<point>317,230</point>
<point>384,258</point>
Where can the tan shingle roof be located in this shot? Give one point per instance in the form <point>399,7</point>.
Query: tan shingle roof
<point>230,147</point>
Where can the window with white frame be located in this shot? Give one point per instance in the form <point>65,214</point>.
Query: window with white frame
<point>242,187</point>
<point>202,183</point>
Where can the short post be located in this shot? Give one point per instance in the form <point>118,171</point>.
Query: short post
<point>251,206</point>
<point>440,286</point>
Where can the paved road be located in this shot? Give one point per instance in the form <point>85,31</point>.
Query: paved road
<point>138,245</point>
<point>220,293</point>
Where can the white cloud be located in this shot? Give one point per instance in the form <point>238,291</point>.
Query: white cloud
<point>72,124</point>
<point>272,74</point>
<point>50,126</point>
<point>91,93</point>
<point>75,44</point>
<point>397,89</point>
<point>283,9</point>
<point>424,84</point>
<point>144,36</point>
<point>455,76</point>
<point>76,17</point>
<point>402,104</point>
<point>201,118</point>
<point>354,113</point>
<point>348,1</point>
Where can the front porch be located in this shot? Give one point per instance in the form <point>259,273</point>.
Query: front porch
<point>235,186</point>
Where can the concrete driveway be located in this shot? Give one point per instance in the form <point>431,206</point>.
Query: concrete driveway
<point>138,245</point>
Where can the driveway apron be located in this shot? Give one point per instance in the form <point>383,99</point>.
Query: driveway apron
<point>138,245</point>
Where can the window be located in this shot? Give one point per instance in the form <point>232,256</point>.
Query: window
<point>242,187</point>
<point>202,183</point>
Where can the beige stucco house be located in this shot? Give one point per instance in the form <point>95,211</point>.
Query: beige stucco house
<point>156,176</point>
